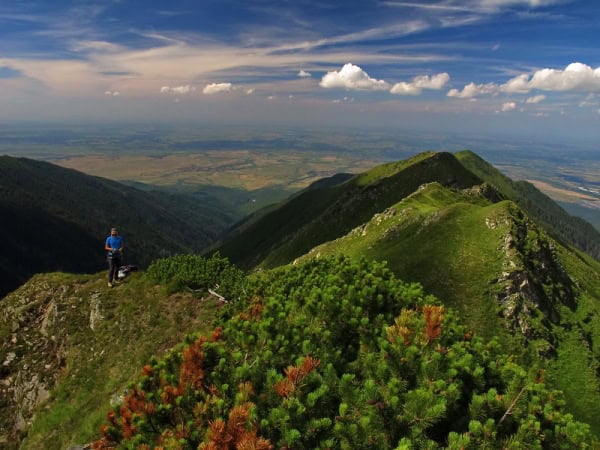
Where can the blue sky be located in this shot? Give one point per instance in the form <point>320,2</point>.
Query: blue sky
<point>523,66</point>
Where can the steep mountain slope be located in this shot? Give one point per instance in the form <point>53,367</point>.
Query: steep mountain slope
<point>541,208</point>
<point>70,346</point>
<point>475,249</point>
<point>503,273</point>
<point>321,214</point>
<point>57,219</point>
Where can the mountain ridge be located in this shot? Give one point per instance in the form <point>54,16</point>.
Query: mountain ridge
<point>472,247</point>
<point>333,211</point>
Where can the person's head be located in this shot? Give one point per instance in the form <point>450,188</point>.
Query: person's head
<point>113,232</point>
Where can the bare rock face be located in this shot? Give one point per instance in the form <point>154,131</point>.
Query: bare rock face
<point>535,286</point>
<point>484,190</point>
<point>95,310</point>
<point>33,348</point>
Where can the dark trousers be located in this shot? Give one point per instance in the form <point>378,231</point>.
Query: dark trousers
<point>113,268</point>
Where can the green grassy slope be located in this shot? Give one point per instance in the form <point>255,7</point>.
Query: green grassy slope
<point>82,344</point>
<point>57,220</point>
<point>577,367</point>
<point>322,214</point>
<point>438,237</point>
<point>547,213</point>
<point>489,261</point>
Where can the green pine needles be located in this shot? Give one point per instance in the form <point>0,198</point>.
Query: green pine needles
<point>197,273</point>
<point>334,353</point>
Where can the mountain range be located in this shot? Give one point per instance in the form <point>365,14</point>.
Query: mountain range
<point>504,256</point>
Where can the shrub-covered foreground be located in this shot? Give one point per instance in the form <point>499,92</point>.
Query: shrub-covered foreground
<point>195,272</point>
<point>339,354</point>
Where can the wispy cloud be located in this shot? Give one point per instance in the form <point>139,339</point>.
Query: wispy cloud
<point>441,6</point>
<point>536,99</point>
<point>99,46</point>
<point>589,100</point>
<point>487,6</point>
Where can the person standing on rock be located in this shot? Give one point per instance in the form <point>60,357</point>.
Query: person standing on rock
<point>114,247</point>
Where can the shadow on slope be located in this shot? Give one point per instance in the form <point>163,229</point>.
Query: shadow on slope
<point>57,219</point>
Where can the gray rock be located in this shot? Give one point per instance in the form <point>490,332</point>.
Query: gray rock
<point>95,310</point>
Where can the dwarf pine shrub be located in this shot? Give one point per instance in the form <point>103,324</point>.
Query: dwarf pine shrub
<point>335,353</point>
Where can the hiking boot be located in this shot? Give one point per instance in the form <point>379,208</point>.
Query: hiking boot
<point>109,284</point>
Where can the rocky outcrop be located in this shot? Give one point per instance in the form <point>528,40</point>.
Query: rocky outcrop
<point>33,352</point>
<point>534,284</point>
<point>484,190</point>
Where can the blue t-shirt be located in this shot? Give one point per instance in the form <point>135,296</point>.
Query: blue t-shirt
<point>114,242</point>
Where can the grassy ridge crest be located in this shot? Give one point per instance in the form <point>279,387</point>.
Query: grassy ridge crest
<point>568,229</point>
<point>319,215</point>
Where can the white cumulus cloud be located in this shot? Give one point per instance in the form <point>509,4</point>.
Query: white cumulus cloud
<point>508,106</point>
<point>517,85</point>
<point>177,89</point>
<point>215,88</point>
<point>416,86</point>
<point>304,74</point>
<point>112,93</point>
<point>473,90</point>
<point>353,78</point>
<point>535,99</point>
<point>575,77</point>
